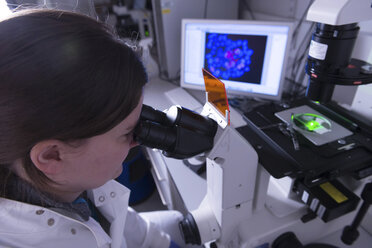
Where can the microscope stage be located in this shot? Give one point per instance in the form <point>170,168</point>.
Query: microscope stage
<point>285,149</point>
<point>335,132</point>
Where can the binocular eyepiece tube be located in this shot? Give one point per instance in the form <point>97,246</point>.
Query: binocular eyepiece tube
<point>179,132</point>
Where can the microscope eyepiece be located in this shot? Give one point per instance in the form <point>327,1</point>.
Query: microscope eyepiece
<point>179,133</point>
<point>191,120</point>
<point>151,114</point>
<point>154,135</point>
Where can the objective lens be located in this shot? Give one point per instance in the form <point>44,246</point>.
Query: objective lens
<point>319,91</point>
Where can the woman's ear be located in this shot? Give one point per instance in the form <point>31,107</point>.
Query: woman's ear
<point>46,156</point>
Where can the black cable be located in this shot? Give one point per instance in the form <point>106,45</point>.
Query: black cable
<point>295,32</point>
<point>305,40</point>
<point>248,8</point>
<point>205,9</point>
<point>301,61</point>
<point>296,57</point>
<point>298,60</point>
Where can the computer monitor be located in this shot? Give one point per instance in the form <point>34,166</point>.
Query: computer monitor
<point>248,56</point>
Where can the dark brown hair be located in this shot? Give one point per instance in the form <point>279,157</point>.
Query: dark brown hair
<point>63,76</point>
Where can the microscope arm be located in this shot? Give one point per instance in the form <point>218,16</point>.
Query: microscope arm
<point>339,12</point>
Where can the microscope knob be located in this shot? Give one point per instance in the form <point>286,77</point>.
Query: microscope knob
<point>189,230</point>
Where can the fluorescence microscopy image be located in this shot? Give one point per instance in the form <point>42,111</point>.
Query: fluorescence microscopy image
<point>235,57</point>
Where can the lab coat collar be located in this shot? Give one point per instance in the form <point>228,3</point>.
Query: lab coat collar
<point>111,199</point>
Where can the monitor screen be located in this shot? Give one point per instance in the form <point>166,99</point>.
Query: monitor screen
<point>248,56</point>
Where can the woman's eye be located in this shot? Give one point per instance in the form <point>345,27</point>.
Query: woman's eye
<point>128,135</point>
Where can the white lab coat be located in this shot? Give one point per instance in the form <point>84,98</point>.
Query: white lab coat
<point>24,225</point>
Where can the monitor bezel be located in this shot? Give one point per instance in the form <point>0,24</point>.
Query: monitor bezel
<point>232,92</point>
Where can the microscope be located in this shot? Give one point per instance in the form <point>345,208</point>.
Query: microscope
<point>329,61</point>
<point>181,133</point>
<point>261,190</point>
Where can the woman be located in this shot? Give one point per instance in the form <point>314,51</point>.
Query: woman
<point>70,97</point>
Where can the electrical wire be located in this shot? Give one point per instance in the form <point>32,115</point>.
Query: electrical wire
<point>298,70</point>
<point>298,63</point>
<point>297,28</point>
<point>248,8</point>
<point>205,9</point>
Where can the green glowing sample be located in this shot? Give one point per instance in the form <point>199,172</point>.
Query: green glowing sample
<point>311,122</point>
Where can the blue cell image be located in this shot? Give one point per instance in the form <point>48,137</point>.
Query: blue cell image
<point>227,58</point>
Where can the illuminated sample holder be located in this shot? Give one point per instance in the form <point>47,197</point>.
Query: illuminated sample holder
<point>311,122</point>
<point>319,136</point>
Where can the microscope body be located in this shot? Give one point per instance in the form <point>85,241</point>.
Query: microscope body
<point>231,178</point>
<point>245,207</point>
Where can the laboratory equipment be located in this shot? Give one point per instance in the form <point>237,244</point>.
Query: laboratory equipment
<point>248,205</point>
<point>179,133</point>
<point>336,31</point>
<point>131,23</point>
<point>260,187</point>
<point>167,22</point>
<point>268,203</point>
<point>248,56</point>
<point>230,186</point>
